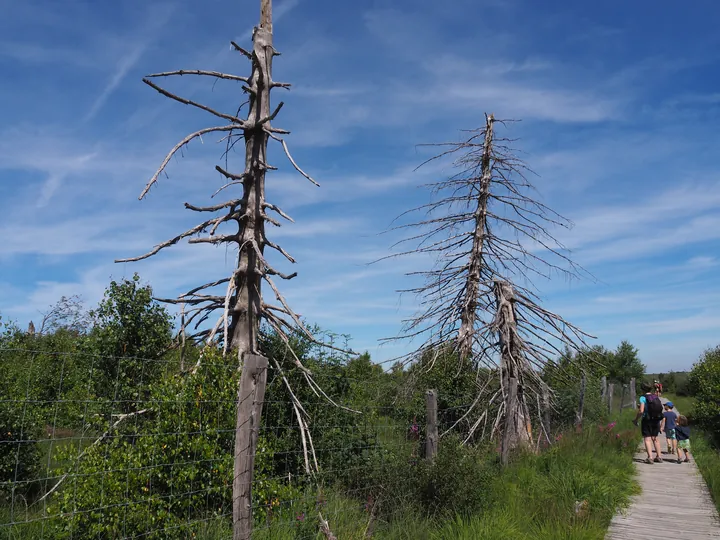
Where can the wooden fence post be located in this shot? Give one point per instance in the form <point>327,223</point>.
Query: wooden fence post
<point>611,387</point>
<point>603,389</point>
<point>251,393</point>
<point>431,428</point>
<point>510,429</point>
<point>546,411</point>
<point>633,397</point>
<point>581,404</point>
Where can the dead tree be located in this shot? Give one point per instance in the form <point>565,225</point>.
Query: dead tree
<point>240,223</point>
<point>490,239</point>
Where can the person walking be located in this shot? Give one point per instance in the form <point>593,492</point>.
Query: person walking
<point>667,426</point>
<point>651,412</point>
<point>682,430</point>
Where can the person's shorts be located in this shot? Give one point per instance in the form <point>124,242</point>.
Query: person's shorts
<point>670,434</point>
<point>650,428</point>
<point>684,445</point>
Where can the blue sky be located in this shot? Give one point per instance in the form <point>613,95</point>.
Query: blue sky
<point>619,105</point>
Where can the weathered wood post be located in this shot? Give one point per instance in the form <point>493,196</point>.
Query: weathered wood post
<point>581,404</point>
<point>252,387</point>
<point>633,397</point>
<point>603,389</point>
<point>431,428</point>
<point>622,396</point>
<point>546,411</point>
<point>510,431</point>
<point>611,388</point>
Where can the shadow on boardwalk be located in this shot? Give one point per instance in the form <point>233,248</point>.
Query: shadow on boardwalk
<point>674,503</point>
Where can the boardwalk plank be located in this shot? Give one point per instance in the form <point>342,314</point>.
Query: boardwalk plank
<point>674,503</point>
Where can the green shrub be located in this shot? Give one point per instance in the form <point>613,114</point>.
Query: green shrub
<point>157,470</point>
<point>705,384</point>
<point>19,452</point>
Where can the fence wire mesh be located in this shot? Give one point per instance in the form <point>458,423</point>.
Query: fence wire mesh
<point>96,446</point>
<point>123,447</point>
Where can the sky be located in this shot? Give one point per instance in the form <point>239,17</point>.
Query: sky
<point>619,109</point>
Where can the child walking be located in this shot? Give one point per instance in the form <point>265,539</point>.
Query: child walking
<point>682,432</point>
<point>668,425</point>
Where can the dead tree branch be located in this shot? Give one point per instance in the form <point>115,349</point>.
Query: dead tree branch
<point>241,307</point>
<point>489,236</point>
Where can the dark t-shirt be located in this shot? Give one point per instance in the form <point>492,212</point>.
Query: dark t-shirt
<point>670,420</point>
<point>682,432</point>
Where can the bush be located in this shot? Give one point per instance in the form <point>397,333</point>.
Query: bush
<point>704,382</point>
<point>157,470</point>
<point>19,452</point>
<point>457,482</point>
<point>132,332</point>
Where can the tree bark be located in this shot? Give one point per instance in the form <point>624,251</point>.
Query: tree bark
<point>469,309</point>
<point>517,431</point>
<point>509,440</point>
<point>247,304</point>
<point>250,402</point>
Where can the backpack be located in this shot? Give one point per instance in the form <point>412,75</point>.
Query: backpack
<point>654,407</point>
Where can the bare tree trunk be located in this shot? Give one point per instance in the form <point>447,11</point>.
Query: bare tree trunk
<point>247,304</point>
<point>466,334</point>
<point>250,402</point>
<point>248,278</point>
<point>431,429</point>
<point>633,397</point>
<point>512,366</point>
<point>242,304</point>
<point>581,404</point>
<point>509,440</point>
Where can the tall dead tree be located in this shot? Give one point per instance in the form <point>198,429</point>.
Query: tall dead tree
<point>241,225</point>
<point>490,239</point>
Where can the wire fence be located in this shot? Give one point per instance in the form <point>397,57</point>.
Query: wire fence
<point>143,448</point>
<point>121,447</point>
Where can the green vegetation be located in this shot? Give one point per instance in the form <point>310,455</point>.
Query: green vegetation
<point>703,411</point>
<point>101,408</point>
<point>707,458</point>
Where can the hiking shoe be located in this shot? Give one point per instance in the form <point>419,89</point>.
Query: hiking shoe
<point>687,460</point>
<point>658,460</point>
<point>679,461</point>
<point>648,461</point>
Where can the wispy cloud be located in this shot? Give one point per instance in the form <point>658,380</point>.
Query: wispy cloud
<point>157,18</point>
<point>279,12</point>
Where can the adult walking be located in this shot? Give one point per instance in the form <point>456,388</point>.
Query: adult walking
<point>651,412</point>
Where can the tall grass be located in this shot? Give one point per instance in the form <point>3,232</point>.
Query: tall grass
<point>571,491</point>
<point>704,449</point>
<point>707,458</point>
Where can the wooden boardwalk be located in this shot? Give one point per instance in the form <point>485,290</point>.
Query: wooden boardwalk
<point>675,503</point>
